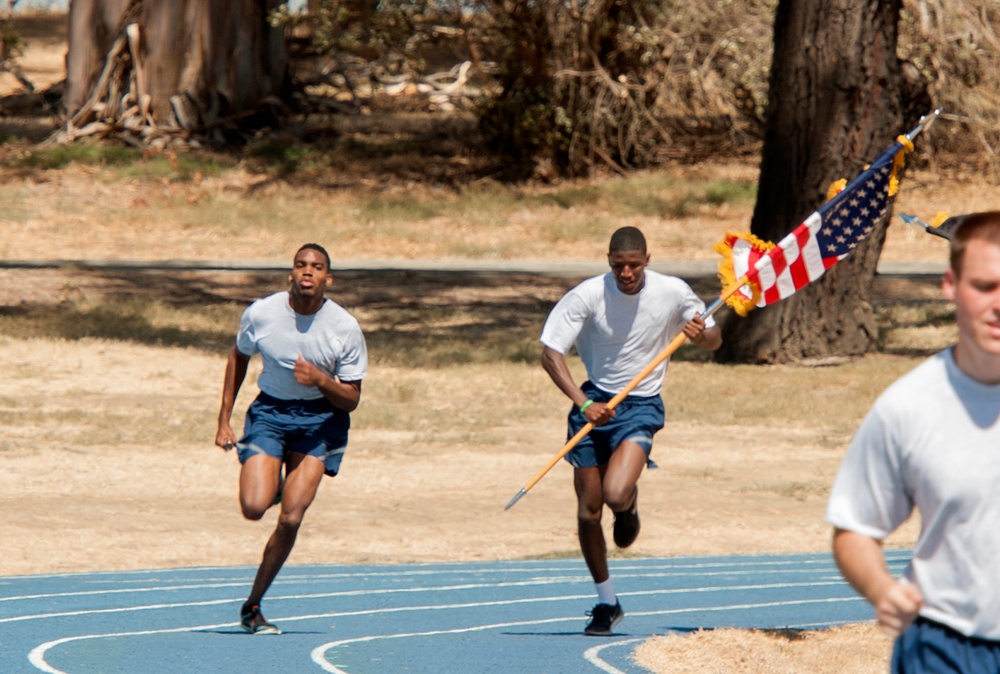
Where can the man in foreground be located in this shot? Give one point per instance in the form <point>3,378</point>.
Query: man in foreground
<point>932,442</point>
<point>314,358</point>
<point>619,322</point>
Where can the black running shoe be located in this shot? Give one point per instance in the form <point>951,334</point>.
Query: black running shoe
<point>254,622</point>
<point>627,523</point>
<point>603,619</point>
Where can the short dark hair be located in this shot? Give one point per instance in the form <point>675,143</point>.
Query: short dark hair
<point>316,247</point>
<point>627,238</point>
<point>985,225</point>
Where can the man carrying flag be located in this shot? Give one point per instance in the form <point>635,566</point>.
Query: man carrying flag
<point>607,326</point>
<point>618,322</point>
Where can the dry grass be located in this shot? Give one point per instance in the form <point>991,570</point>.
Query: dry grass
<point>853,649</point>
<point>80,211</point>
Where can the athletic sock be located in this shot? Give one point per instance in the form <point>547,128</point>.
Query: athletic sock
<point>606,593</point>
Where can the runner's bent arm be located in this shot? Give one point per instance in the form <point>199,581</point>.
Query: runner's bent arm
<point>862,562</point>
<point>554,363</point>
<point>344,395</point>
<point>236,372</point>
<point>709,339</point>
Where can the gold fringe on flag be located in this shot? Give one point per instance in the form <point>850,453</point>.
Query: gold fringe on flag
<point>836,187</point>
<point>898,162</point>
<point>745,299</point>
<point>939,219</point>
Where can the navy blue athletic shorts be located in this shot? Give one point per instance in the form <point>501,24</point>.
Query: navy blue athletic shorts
<point>927,647</point>
<point>314,427</point>
<point>637,419</point>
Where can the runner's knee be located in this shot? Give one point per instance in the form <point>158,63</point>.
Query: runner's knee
<point>290,520</point>
<point>618,499</point>
<point>252,511</point>
<point>586,514</point>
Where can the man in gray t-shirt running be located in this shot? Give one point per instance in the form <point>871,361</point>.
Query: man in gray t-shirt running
<point>314,358</point>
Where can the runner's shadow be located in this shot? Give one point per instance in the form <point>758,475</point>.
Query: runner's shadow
<point>241,633</point>
<point>578,633</point>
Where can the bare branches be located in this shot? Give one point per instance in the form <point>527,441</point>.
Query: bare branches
<point>630,78</point>
<point>955,46</point>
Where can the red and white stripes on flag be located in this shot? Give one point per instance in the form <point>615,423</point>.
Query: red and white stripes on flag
<point>795,262</point>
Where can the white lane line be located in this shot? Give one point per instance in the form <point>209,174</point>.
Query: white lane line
<point>125,590</point>
<point>592,655</point>
<point>37,654</point>
<point>319,653</point>
<point>361,593</point>
<point>501,566</point>
<point>318,595</point>
<point>297,580</point>
<point>124,609</point>
<point>619,570</point>
<point>437,569</point>
<point>548,580</point>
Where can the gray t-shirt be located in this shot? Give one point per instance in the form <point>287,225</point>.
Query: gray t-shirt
<point>932,442</point>
<point>330,339</point>
<point>616,334</point>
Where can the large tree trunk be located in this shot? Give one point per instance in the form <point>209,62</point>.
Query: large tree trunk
<point>155,69</point>
<point>835,103</point>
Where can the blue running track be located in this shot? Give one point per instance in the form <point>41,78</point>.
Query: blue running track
<point>523,616</point>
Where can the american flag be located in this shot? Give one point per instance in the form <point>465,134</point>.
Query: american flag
<point>825,237</point>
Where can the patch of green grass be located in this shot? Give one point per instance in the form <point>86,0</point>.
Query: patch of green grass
<point>83,153</point>
<point>488,202</point>
<point>660,195</point>
<point>179,168</point>
<point>397,209</point>
<point>284,156</point>
<point>124,162</point>
<point>570,197</point>
<point>719,192</point>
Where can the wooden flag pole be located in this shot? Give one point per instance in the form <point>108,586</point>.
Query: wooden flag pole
<point>674,344</point>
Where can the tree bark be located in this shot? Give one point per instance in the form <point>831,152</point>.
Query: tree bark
<point>835,102</point>
<point>153,67</point>
<point>91,33</point>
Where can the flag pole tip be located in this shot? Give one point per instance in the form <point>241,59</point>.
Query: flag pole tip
<point>924,123</point>
<point>516,498</point>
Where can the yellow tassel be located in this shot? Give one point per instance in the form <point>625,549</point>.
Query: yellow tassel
<point>836,187</point>
<point>739,302</point>
<point>898,162</point>
<point>939,219</point>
